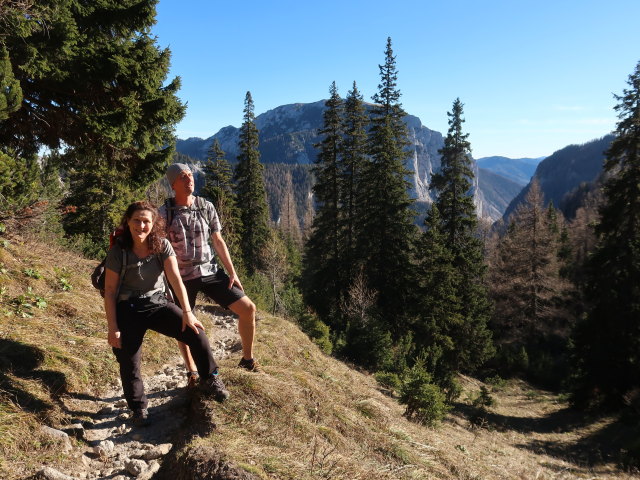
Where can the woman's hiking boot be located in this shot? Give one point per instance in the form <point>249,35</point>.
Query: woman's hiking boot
<point>213,387</point>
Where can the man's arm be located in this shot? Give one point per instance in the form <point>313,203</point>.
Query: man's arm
<point>220,247</point>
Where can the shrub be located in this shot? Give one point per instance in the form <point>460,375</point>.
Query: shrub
<point>426,403</point>
<point>389,380</point>
<point>317,330</point>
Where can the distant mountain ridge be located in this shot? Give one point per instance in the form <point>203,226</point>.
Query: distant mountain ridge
<point>566,170</point>
<point>519,170</point>
<point>288,134</point>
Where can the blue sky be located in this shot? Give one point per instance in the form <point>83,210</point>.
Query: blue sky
<point>534,76</point>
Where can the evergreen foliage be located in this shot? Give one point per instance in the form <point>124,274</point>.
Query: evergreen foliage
<point>218,189</point>
<point>323,268</point>
<point>250,192</point>
<point>607,341</point>
<point>10,91</point>
<point>386,229</point>
<point>92,81</point>
<point>454,305</point>
<point>19,183</point>
<point>425,402</point>
<point>351,183</point>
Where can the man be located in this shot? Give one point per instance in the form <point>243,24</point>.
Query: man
<point>191,223</point>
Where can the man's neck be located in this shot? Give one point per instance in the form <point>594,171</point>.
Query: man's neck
<point>183,200</point>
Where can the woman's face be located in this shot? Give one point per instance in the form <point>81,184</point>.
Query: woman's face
<point>140,225</point>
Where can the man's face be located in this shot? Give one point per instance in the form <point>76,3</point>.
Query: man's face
<point>184,183</point>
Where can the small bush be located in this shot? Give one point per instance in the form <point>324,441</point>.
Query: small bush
<point>484,398</point>
<point>389,380</point>
<point>426,403</point>
<point>497,383</point>
<point>317,330</point>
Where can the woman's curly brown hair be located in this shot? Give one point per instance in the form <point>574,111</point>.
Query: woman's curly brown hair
<point>154,239</point>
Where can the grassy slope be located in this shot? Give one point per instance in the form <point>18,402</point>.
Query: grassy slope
<point>309,416</point>
<point>57,348</point>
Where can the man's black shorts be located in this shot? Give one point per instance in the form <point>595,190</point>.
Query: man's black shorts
<point>215,286</point>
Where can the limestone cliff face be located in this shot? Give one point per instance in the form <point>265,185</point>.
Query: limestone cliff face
<point>288,134</point>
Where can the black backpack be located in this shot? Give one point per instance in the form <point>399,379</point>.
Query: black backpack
<point>97,277</point>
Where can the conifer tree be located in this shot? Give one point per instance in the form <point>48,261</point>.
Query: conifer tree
<point>386,232</point>
<point>323,272</point>
<point>288,222</point>
<point>607,342</point>
<point>463,320</point>
<point>528,291</point>
<point>353,164</point>
<point>218,188</point>
<point>250,192</point>
<point>93,86</point>
<point>437,304</point>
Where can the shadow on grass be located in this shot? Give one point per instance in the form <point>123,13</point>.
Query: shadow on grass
<point>23,361</point>
<point>604,445</point>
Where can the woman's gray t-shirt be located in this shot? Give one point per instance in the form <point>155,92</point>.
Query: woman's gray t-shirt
<point>143,275</point>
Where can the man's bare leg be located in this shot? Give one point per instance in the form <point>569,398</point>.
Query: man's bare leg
<point>246,311</point>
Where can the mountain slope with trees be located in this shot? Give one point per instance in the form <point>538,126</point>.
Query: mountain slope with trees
<point>565,170</point>
<point>288,134</point>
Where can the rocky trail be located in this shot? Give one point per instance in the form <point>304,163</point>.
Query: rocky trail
<point>100,442</point>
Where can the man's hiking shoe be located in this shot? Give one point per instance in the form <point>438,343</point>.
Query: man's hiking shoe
<point>213,386</point>
<point>192,380</point>
<point>140,418</point>
<point>251,365</point>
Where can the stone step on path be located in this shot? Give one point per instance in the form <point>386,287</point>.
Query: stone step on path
<point>109,448</point>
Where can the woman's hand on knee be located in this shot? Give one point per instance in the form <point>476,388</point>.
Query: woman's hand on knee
<point>189,320</point>
<point>114,339</point>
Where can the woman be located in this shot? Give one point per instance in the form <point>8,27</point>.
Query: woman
<point>134,301</point>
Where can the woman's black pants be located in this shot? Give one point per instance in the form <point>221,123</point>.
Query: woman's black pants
<point>166,320</point>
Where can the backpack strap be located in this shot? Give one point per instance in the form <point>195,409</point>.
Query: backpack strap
<point>199,205</point>
<point>170,206</point>
<point>123,269</point>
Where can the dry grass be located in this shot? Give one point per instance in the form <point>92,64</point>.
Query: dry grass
<point>312,417</point>
<point>52,343</point>
<point>308,417</point>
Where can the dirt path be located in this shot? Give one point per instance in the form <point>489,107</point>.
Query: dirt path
<point>108,447</point>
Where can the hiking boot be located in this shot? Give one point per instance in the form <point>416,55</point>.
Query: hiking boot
<point>192,380</point>
<point>213,386</point>
<point>251,365</point>
<point>140,418</point>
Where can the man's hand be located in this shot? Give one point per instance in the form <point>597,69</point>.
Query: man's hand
<point>114,339</point>
<point>233,279</point>
<point>189,320</point>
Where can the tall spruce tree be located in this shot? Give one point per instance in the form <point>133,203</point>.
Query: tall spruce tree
<point>250,191</point>
<point>607,342</point>
<point>464,317</point>
<point>218,188</point>
<point>323,269</point>
<point>386,230</point>
<point>93,87</point>
<point>353,164</point>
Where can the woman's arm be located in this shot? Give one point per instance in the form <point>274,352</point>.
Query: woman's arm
<point>173,275</point>
<point>111,281</point>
